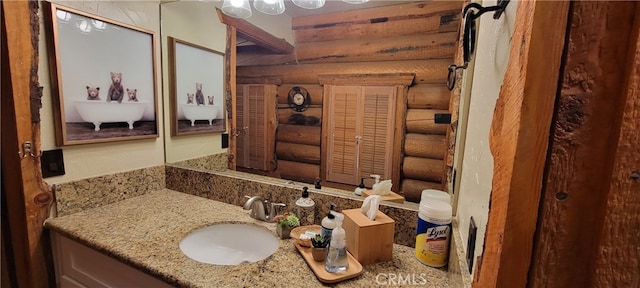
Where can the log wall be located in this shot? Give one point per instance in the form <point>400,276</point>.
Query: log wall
<point>417,38</point>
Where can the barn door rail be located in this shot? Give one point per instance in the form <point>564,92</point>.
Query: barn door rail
<point>470,13</point>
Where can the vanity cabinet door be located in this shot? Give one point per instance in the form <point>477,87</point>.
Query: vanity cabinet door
<point>256,120</point>
<point>80,266</point>
<point>360,132</point>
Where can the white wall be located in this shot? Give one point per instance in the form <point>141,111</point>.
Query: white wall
<point>89,160</point>
<point>476,173</point>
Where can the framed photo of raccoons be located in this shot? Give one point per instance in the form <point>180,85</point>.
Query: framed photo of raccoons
<point>103,77</point>
<point>196,86</point>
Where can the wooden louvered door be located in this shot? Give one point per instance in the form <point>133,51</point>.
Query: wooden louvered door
<point>256,121</point>
<point>360,132</point>
<point>376,142</point>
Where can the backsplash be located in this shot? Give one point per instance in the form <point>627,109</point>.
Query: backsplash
<point>215,162</point>
<point>75,196</point>
<point>231,187</point>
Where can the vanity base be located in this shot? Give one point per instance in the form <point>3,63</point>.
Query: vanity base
<point>80,266</point>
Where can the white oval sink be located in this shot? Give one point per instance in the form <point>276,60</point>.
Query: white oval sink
<point>229,244</point>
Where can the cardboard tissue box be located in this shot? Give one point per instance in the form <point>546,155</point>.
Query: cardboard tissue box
<point>369,241</point>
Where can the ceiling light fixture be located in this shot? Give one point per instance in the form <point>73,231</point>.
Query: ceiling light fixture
<point>309,4</point>
<point>271,7</point>
<point>237,8</point>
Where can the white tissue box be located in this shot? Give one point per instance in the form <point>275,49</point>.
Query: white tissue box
<point>369,241</point>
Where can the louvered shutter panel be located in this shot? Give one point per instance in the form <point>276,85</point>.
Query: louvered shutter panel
<point>343,129</point>
<point>253,118</point>
<point>377,131</point>
<point>242,158</point>
<point>361,126</point>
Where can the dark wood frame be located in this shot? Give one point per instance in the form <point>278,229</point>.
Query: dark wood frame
<point>173,87</point>
<point>53,49</point>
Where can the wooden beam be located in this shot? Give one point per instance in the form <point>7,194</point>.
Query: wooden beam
<point>377,14</point>
<point>256,35</point>
<point>27,197</point>
<point>429,96</point>
<point>590,105</point>
<point>424,145</point>
<point>404,79</point>
<point>408,47</point>
<point>445,21</point>
<point>426,71</point>
<point>300,134</point>
<point>230,96</point>
<point>618,259</point>
<point>518,141</point>
<point>298,171</point>
<point>259,80</point>
<point>424,169</point>
<point>422,121</point>
<point>298,152</point>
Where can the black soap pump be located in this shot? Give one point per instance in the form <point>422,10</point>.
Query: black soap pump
<point>360,187</point>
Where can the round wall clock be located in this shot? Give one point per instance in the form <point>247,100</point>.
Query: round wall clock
<point>299,99</point>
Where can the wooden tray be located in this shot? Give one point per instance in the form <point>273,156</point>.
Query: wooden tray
<point>354,270</point>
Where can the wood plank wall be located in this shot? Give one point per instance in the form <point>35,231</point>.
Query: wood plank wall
<point>418,38</point>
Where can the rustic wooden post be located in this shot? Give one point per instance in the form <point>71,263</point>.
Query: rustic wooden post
<point>26,196</point>
<point>518,141</point>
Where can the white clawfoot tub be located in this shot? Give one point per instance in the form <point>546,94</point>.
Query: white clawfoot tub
<point>202,112</point>
<point>98,112</point>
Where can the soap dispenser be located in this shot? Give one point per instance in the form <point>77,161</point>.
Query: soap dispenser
<point>377,181</point>
<point>305,208</point>
<point>360,187</point>
<point>337,260</point>
<point>328,223</point>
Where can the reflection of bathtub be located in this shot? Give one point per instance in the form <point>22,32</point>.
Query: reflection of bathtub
<point>202,112</point>
<point>98,112</point>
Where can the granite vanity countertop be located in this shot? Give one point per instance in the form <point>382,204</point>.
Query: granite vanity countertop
<point>145,232</point>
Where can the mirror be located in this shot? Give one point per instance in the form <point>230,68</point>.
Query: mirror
<point>197,22</point>
<point>194,22</point>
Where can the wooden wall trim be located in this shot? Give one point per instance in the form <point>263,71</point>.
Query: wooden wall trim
<point>230,95</point>
<point>426,71</point>
<point>256,35</point>
<point>367,79</point>
<point>27,197</point>
<point>518,141</point>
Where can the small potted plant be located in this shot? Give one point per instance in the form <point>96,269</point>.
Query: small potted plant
<point>320,247</point>
<point>286,222</point>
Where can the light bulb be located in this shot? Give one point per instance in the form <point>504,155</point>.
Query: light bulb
<point>355,1</point>
<point>309,4</point>
<point>63,15</point>
<point>237,8</point>
<point>271,7</point>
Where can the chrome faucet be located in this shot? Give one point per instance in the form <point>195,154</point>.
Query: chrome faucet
<point>261,209</point>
